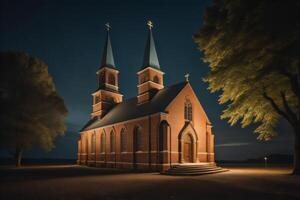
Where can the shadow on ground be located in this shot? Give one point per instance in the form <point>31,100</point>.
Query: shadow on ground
<point>56,171</point>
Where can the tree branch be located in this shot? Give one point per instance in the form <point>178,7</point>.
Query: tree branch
<point>276,108</point>
<point>291,114</point>
<point>294,80</point>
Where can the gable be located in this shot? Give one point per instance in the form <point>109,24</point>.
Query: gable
<point>188,93</point>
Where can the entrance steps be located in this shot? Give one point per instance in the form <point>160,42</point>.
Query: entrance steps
<point>194,169</point>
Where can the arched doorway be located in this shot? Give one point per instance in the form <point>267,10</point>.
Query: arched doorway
<point>188,148</point>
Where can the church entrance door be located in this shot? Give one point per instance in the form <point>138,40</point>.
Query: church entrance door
<point>187,149</point>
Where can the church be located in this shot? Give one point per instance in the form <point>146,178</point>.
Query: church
<point>161,127</point>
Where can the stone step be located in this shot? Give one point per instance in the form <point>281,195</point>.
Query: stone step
<point>196,165</point>
<point>207,168</point>
<point>195,173</point>
<point>194,169</point>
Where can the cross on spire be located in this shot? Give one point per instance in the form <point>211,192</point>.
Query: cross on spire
<point>150,56</point>
<point>107,57</point>
<point>187,77</point>
<point>108,27</point>
<point>150,24</point>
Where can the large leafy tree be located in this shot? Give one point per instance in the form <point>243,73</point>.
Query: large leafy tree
<point>253,50</point>
<point>32,112</point>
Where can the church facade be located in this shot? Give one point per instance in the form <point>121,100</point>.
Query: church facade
<point>161,127</point>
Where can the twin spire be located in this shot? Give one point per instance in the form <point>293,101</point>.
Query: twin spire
<point>108,57</point>
<point>150,55</point>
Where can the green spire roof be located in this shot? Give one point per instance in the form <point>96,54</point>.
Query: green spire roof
<point>150,56</point>
<point>107,56</point>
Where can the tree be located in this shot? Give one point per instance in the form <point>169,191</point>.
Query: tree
<point>252,48</point>
<point>32,112</point>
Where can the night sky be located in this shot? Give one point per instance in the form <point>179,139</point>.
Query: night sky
<point>69,36</point>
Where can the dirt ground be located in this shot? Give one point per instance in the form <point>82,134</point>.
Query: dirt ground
<point>76,182</point>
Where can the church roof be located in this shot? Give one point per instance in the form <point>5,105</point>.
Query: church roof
<point>129,109</point>
<point>150,56</point>
<point>107,56</point>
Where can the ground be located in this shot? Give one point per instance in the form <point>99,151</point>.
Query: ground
<point>76,182</point>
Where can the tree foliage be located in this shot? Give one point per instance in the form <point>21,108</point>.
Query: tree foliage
<point>32,112</point>
<point>253,50</point>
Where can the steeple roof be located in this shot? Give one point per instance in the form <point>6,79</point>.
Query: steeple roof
<point>150,56</point>
<point>107,56</point>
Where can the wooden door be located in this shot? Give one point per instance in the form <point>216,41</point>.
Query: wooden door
<point>187,149</point>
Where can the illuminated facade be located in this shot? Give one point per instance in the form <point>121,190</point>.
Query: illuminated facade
<point>160,127</point>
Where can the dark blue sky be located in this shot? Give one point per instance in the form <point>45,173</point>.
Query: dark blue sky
<point>69,36</point>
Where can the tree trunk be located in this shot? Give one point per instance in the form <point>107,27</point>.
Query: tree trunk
<point>296,170</point>
<point>18,156</point>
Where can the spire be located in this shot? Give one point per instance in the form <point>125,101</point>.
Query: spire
<point>108,57</point>
<point>150,56</point>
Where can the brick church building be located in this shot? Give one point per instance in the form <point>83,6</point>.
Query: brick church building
<point>162,126</point>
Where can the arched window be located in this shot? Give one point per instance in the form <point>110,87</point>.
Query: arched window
<point>93,143</point>
<point>87,145</point>
<point>97,99</point>
<point>112,141</point>
<point>188,110</point>
<point>138,146</point>
<point>163,136</point>
<point>111,79</point>
<point>123,140</point>
<point>144,77</point>
<point>102,142</point>
<point>102,78</point>
<point>156,79</point>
